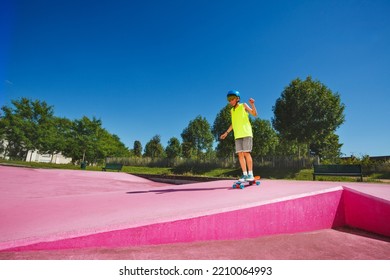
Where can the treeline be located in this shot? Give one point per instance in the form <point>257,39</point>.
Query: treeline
<point>31,125</point>
<point>306,117</point>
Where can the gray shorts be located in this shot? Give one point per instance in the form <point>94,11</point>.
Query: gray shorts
<point>244,145</point>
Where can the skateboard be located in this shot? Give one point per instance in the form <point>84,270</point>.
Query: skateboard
<point>245,184</point>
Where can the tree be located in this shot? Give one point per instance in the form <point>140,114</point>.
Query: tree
<point>307,112</point>
<point>286,148</point>
<point>109,145</point>
<point>24,126</point>
<point>84,145</point>
<point>265,139</point>
<point>137,148</point>
<point>198,136</point>
<point>31,125</point>
<point>328,148</point>
<point>153,148</point>
<point>54,136</point>
<point>89,141</point>
<point>186,150</point>
<point>173,150</point>
<point>225,148</point>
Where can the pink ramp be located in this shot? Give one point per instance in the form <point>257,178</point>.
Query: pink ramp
<point>367,212</point>
<point>61,209</point>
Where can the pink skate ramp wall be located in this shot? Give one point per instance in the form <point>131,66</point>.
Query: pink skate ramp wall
<point>366,212</point>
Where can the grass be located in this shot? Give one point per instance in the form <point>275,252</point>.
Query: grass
<point>38,164</point>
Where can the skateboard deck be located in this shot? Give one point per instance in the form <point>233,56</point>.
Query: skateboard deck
<point>241,185</point>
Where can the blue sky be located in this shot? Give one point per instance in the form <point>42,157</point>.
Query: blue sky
<point>149,67</point>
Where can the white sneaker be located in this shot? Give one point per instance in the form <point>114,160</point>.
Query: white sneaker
<point>243,178</point>
<point>250,177</point>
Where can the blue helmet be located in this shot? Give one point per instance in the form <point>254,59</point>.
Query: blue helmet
<point>233,93</point>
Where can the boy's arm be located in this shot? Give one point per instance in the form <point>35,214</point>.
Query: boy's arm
<point>223,136</point>
<point>252,110</point>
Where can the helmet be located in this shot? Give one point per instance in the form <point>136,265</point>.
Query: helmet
<point>233,93</point>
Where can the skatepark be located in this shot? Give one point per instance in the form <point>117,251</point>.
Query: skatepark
<point>68,214</point>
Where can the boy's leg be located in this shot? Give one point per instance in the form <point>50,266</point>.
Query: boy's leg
<point>247,147</point>
<point>241,158</point>
<point>243,163</point>
<point>249,161</point>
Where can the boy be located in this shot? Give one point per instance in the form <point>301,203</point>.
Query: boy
<point>242,132</point>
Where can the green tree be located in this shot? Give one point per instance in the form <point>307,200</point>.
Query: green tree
<point>225,148</point>
<point>198,135</point>
<point>286,148</point>
<point>53,137</point>
<point>31,125</point>
<point>327,149</point>
<point>137,148</point>
<point>88,141</point>
<point>187,150</point>
<point>109,145</point>
<point>307,112</point>
<point>84,145</point>
<point>153,148</point>
<point>173,149</point>
<point>265,139</point>
<point>24,125</point>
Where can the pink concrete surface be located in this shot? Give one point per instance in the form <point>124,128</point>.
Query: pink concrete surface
<point>62,209</point>
<point>325,244</point>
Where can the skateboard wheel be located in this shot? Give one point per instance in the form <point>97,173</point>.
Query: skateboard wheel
<point>242,186</point>
<point>234,186</point>
<point>257,183</point>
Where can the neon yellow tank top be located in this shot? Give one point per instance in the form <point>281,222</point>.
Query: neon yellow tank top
<point>240,122</point>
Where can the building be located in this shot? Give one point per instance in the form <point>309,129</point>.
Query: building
<point>35,156</point>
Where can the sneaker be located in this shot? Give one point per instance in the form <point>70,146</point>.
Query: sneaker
<point>243,178</point>
<point>250,177</point>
